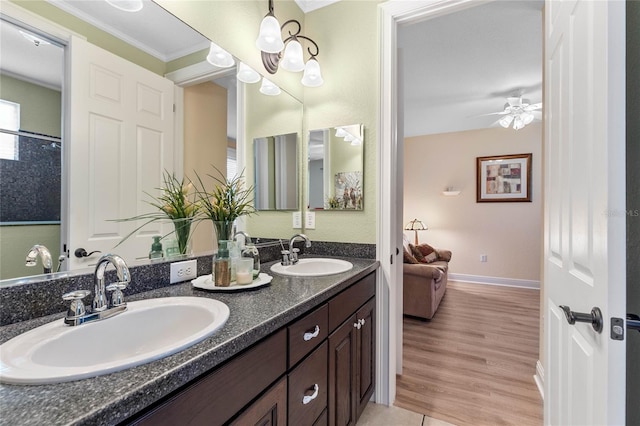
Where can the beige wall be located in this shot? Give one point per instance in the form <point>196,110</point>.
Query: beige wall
<point>347,34</point>
<point>39,106</point>
<point>205,145</point>
<point>510,234</point>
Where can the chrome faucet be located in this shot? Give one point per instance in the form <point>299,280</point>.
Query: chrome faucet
<point>247,238</point>
<point>45,256</point>
<point>293,252</point>
<point>101,308</point>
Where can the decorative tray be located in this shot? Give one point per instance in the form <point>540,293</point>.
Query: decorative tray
<point>205,282</point>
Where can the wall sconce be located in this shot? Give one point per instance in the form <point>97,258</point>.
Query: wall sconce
<point>269,88</point>
<point>415,225</point>
<point>246,74</point>
<point>271,46</point>
<point>219,57</point>
<point>342,132</point>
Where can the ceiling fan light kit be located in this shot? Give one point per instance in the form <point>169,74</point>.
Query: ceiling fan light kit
<point>519,112</point>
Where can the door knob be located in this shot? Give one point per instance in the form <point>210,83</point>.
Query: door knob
<point>80,253</point>
<point>594,318</point>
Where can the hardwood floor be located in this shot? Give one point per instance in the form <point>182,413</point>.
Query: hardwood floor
<point>473,363</point>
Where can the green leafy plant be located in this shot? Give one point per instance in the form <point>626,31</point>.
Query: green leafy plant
<point>227,201</point>
<point>177,202</point>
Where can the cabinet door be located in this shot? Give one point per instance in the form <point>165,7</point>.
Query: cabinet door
<point>342,374</point>
<point>366,351</point>
<point>269,410</point>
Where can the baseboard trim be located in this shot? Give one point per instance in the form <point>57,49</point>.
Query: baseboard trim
<point>507,282</point>
<point>539,378</point>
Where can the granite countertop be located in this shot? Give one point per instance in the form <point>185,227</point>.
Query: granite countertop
<point>112,398</point>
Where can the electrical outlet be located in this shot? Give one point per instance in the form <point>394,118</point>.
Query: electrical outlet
<point>297,220</point>
<point>183,271</point>
<point>310,220</point>
<point>483,258</point>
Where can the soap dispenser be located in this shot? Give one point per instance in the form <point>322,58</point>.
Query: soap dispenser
<point>156,248</point>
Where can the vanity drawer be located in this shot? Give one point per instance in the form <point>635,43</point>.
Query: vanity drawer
<point>308,388</point>
<point>218,396</point>
<point>346,303</point>
<point>307,333</point>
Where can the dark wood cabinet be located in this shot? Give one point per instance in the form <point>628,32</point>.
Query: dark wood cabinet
<point>352,353</point>
<point>317,370</point>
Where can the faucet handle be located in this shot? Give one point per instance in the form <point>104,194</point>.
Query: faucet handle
<point>76,309</point>
<point>294,255</point>
<point>117,297</point>
<point>286,257</point>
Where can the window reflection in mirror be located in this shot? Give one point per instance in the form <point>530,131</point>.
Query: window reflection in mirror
<point>276,172</point>
<point>335,164</point>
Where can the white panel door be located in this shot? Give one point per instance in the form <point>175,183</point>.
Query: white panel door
<point>584,244</point>
<point>120,143</point>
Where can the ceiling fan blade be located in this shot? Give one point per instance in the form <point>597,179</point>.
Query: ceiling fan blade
<point>492,113</point>
<point>533,107</point>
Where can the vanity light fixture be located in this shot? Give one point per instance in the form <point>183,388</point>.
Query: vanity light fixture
<point>269,88</point>
<point>348,137</point>
<point>246,74</point>
<point>126,5</point>
<point>271,45</point>
<point>219,57</point>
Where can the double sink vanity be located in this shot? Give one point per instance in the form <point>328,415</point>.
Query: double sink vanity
<point>299,351</point>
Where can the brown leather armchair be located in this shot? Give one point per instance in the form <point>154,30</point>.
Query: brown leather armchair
<point>425,285</point>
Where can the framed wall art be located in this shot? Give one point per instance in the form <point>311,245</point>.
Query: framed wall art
<point>504,178</point>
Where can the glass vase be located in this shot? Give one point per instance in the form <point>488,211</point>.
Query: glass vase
<point>183,231</point>
<point>224,230</point>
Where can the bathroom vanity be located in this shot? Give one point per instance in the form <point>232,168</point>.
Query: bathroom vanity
<point>300,351</point>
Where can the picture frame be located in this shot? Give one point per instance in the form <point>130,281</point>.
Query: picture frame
<point>503,178</point>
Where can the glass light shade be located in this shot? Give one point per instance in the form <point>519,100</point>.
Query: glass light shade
<point>340,132</point>
<point>246,74</point>
<point>312,76</point>
<point>349,138</point>
<point>270,38</point>
<point>219,57</point>
<point>415,225</point>
<point>506,121</point>
<point>292,59</point>
<point>356,141</point>
<point>527,118</point>
<point>268,88</point>
<point>518,123</point>
<point>126,5</point>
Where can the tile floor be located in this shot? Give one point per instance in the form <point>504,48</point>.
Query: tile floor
<point>381,415</point>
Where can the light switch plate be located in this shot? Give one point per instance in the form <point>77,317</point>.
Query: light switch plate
<point>310,220</point>
<point>183,271</point>
<point>297,220</point>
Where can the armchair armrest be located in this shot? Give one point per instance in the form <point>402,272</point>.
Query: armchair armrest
<point>422,270</point>
<point>443,255</point>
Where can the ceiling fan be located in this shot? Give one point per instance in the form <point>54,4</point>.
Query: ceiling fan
<point>519,112</point>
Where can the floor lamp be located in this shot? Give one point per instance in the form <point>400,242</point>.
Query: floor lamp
<point>415,225</point>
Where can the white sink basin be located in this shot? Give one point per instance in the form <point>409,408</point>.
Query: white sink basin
<point>313,267</point>
<point>148,330</point>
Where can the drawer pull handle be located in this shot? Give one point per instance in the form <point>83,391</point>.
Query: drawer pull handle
<point>308,398</point>
<point>308,336</point>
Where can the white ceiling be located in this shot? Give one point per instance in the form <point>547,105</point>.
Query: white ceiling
<point>462,65</point>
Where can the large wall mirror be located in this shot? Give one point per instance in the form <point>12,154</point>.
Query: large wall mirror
<point>335,165</point>
<point>12,251</point>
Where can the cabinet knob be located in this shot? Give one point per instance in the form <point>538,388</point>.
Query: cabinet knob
<point>357,325</point>
<point>308,398</point>
<point>310,335</point>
